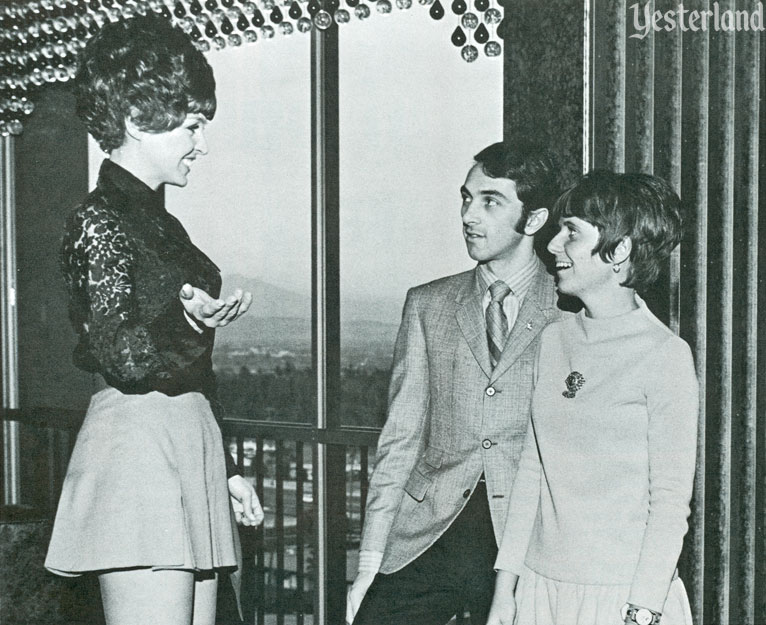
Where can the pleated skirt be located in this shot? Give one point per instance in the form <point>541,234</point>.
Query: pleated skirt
<point>145,487</point>
<point>544,601</point>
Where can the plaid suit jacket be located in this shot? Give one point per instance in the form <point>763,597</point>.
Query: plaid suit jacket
<point>450,417</point>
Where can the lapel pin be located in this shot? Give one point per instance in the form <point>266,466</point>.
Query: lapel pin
<point>529,325</point>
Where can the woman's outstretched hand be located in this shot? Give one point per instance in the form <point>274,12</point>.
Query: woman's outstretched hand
<point>247,507</point>
<point>211,312</point>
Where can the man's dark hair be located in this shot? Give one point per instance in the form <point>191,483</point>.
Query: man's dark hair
<point>530,165</point>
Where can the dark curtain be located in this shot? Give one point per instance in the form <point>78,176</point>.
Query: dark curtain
<point>686,106</point>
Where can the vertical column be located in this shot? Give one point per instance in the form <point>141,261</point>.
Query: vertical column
<point>543,76</point>
<point>608,75</point>
<point>640,103</point>
<point>694,278</point>
<point>760,538</point>
<point>745,319</point>
<point>718,502</point>
<point>329,480</point>
<point>668,98</point>
<point>8,322</point>
<point>51,177</point>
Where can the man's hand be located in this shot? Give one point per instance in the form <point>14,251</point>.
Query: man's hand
<point>210,312</point>
<point>369,565</point>
<point>247,507</point>
<point>356,593</point>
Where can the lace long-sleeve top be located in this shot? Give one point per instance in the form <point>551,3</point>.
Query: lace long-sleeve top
<point>125,258</point>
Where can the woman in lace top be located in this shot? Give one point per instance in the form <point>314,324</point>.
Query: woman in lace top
<point>145,503</point>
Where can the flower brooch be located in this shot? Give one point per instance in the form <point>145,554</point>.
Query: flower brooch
<point>574,383</point>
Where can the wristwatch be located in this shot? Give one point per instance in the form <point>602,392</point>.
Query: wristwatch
<point>640,616</point>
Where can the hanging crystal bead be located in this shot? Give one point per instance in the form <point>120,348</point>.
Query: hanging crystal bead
<point>493,16</point>
<point>342,16</point>
<point>459,7</point>
<point>469,53</point>
<point>493,48</point>
<point>469,21</point>
<point>276,15</point>
<point>437,10</point>
<point>458,37</point>
<point>323,20</point>
<point>481,34</point>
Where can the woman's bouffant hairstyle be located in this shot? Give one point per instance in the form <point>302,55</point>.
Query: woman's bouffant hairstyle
<point>143,69</point>
<point>531,167</point>
<point>639,206</point>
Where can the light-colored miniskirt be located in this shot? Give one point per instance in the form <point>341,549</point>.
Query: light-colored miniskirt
<point>544,601</point>
<point>145,487</point>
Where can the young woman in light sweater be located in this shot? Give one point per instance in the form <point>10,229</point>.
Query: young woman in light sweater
<point>599,508</point>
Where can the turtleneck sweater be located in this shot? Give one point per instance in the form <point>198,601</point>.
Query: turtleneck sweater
<point>604,484</point>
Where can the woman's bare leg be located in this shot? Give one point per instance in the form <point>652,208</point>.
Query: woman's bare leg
<point>205,596</point>
<point>142,596</point>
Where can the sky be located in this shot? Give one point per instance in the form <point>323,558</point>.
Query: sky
<point>412,115</point>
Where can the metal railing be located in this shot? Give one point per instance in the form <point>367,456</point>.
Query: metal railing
<point>279,573</point>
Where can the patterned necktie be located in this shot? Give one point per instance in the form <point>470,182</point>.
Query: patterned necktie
<point>497,324</point>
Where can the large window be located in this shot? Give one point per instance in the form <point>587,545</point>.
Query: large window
<point>412,115</point>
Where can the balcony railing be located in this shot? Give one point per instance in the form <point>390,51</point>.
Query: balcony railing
<point>279,573</point>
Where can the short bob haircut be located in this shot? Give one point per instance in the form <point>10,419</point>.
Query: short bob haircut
<point>529,165</point>
<point>639,206</point>
<point>145,70</point>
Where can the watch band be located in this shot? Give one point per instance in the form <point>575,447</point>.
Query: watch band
<point>640,616</point>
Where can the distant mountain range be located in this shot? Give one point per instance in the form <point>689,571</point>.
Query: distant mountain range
<point>274,301</point>
<point>281,319</point>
